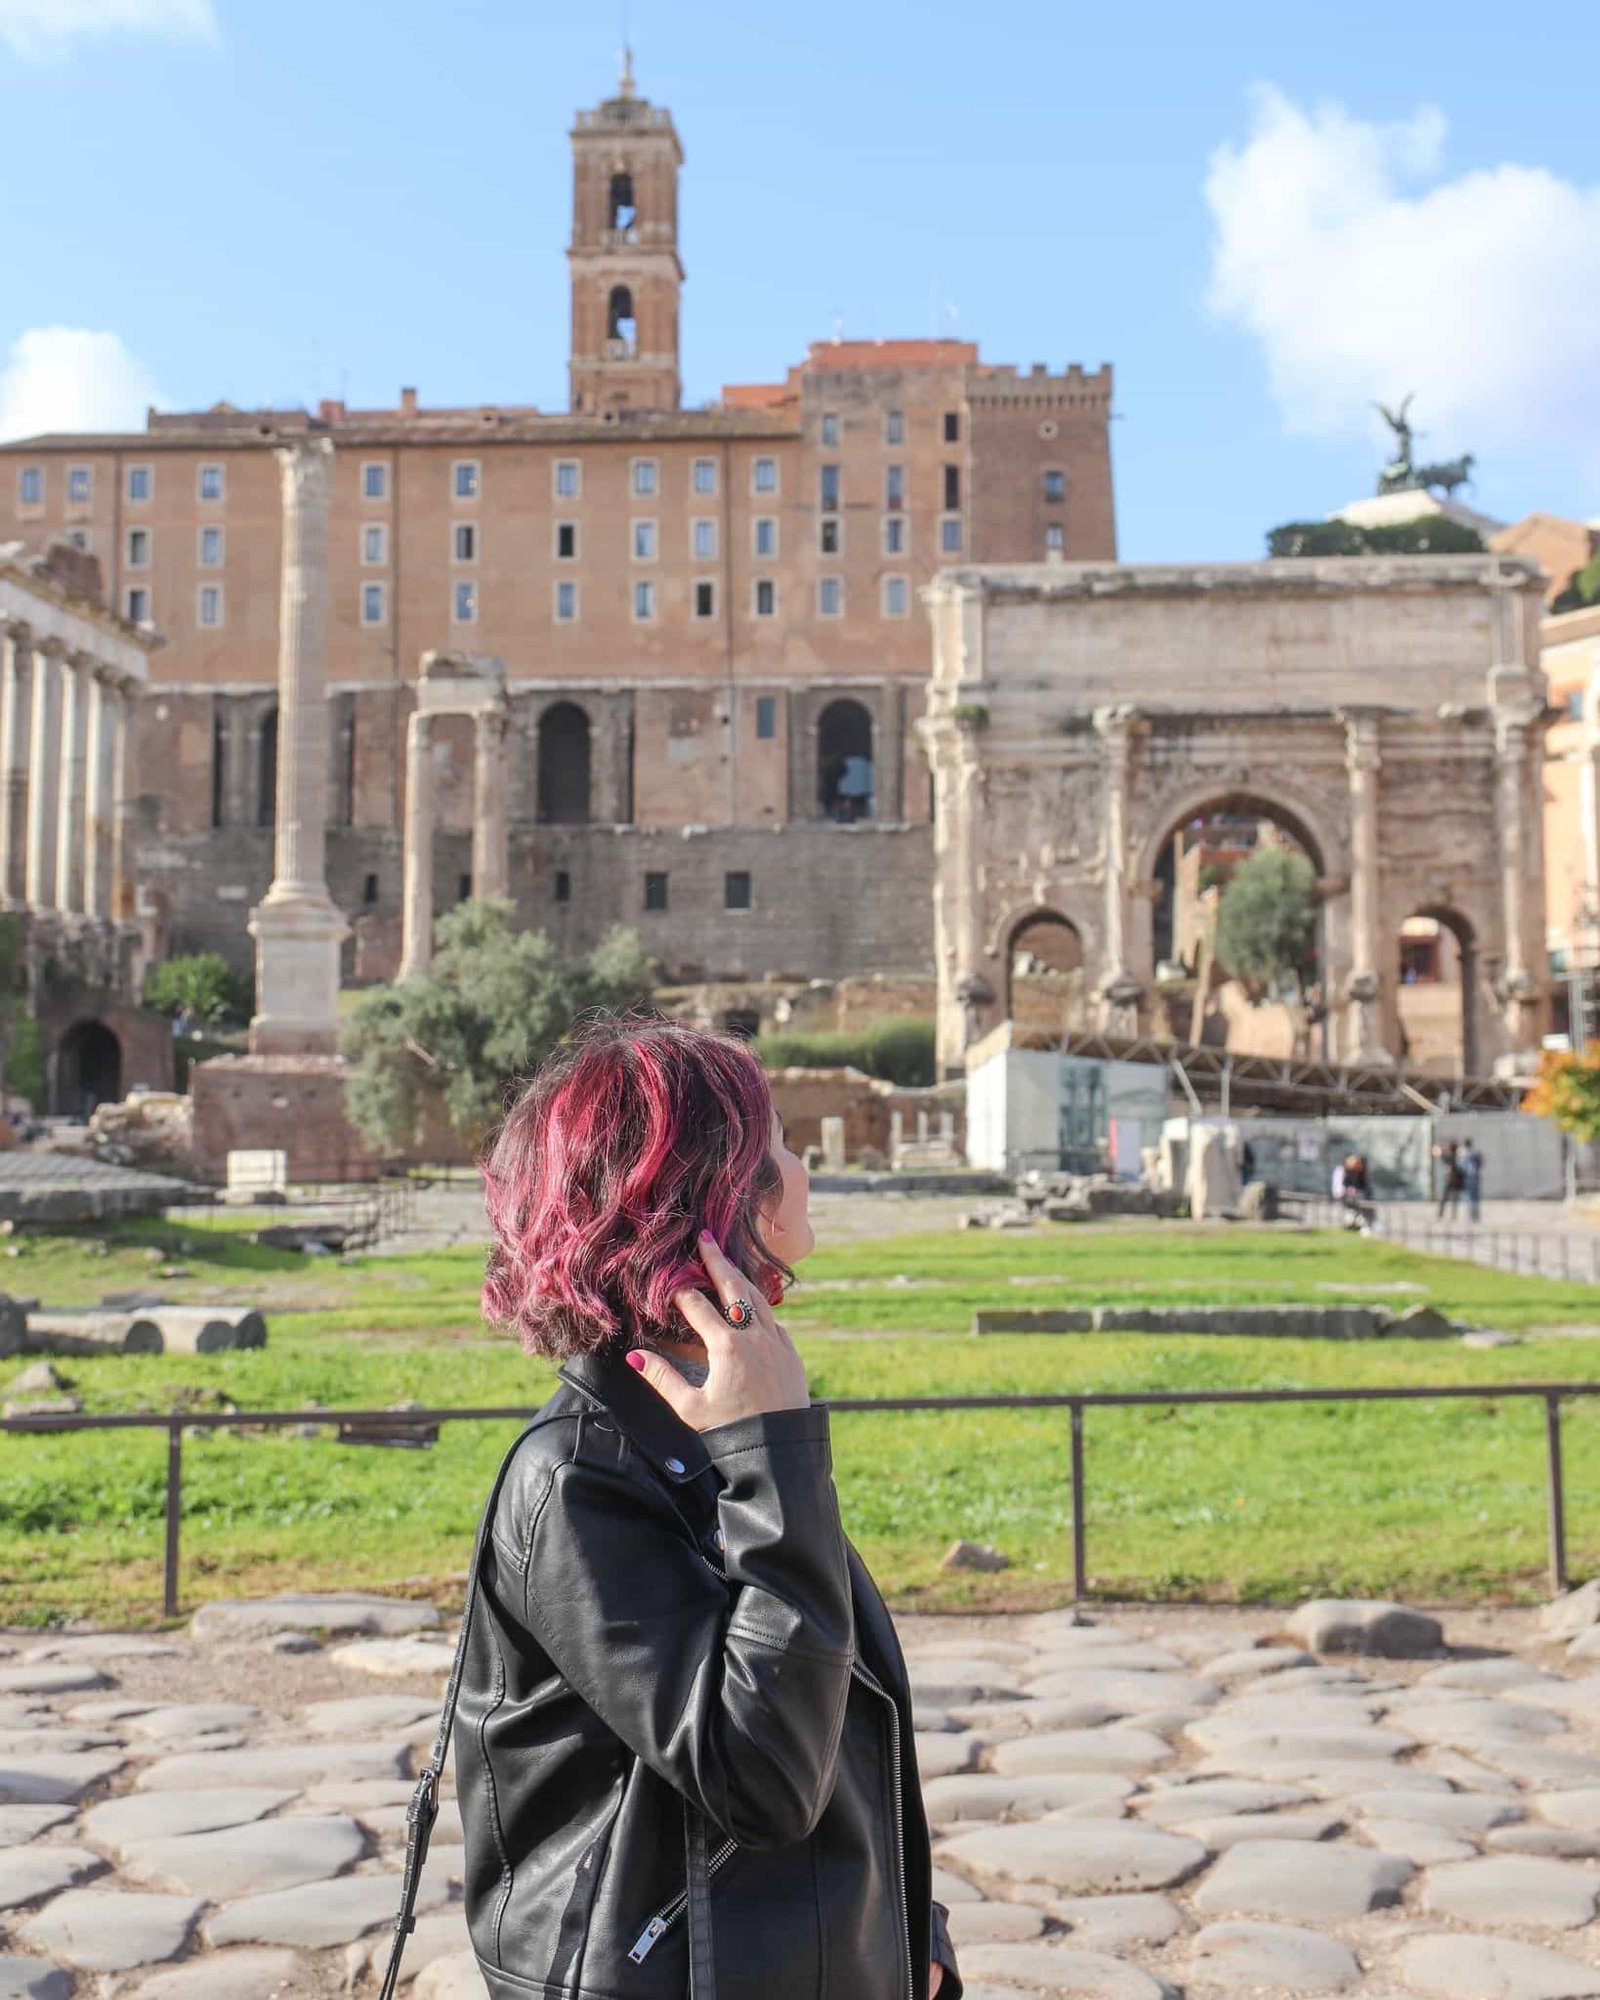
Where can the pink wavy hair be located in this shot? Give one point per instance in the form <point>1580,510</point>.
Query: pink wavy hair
<point>629,1140</point>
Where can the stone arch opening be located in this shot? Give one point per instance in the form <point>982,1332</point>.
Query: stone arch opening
<point>1435,991</point>
<point>621,327</point>
<point>1044,971</point>
<point>88,1069</point>
<point>622,211</point>
<point>1194,862</point>
<point>845,778</point>
<point>267,770</point>
<point>565,756</point>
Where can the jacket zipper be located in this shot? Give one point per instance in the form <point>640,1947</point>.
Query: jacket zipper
<point>664,1919</point>
<point>867,1680</point>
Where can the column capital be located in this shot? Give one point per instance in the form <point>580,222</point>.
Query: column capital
<point>52,648</point>
<point>1362,746</point>
<point>1512,721</point>
<point>306,469</point>
<point>18,631</point>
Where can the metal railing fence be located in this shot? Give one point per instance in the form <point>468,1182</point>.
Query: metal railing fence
<point>1551,1394</point>
<point>1570,1256</point>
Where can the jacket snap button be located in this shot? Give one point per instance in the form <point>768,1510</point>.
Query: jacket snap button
<point>674,1465</point>
<point>721,1539</point>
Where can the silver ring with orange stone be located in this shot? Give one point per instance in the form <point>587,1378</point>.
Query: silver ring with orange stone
<point>738,1312</point>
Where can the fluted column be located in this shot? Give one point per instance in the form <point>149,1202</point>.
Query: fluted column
<point>1512,725</point>
<point>120,700</point>
<point>77,672</point>
<point>1363,761</point>
<point>416,894</point>
<point>16,678</point>
<point>98,802</point>
<point>296,927</point>
<point>1120,992</point>
<point>1589,802</point>
<point>491,871</point>
<point>44,776</point>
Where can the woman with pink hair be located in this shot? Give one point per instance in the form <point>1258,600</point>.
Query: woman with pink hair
<point>686,1763</point>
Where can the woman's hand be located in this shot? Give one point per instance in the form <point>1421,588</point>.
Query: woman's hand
<point>750,1368</point>
<point>935,1980</point>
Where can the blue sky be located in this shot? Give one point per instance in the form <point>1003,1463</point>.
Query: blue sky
<point>272,202</point>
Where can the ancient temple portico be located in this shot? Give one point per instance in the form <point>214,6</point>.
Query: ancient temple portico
<point>1387,715</point>
<point>453,684</point>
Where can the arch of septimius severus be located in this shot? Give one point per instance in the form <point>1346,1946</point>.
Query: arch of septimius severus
<point>1387,714</point>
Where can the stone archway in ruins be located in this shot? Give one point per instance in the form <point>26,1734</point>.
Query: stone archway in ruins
<point>1045,986</point>
<point>1436,991</point>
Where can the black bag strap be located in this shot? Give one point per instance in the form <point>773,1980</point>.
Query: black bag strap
<point>424,1807</point>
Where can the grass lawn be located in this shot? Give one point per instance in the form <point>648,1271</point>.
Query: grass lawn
<point>1429,1500</point>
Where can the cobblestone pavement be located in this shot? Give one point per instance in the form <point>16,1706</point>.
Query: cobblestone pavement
<point>1164,1802</point>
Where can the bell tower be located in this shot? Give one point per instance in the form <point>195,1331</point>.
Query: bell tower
<point>626,277</point>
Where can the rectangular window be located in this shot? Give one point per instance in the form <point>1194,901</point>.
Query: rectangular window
<point>1575,704</point>
<point>766,597</point>
<point>764,475</point>
<point>138,548</point>
<point>375,542</point>
<point>369,890</point>
<point>644,601</point>
<point>705,598</point>
<point>1055,486</point>
<point>830,597</point>
<point>828,488</point>
<point>894,534</point>
<point>830,428</point>
<point>705,541</point>
<point>139,483</point>
<point>375,482</point>
<point>766,716</point>
<point>896,597</point>
<point>211,548</point>
<point>464,604</point>
<point>736,889</point>
<point>766,537</point>
<point>209,482</point>
<point>705,475</point>
<point>894,427</point>
<point>950,535</point>
<point>894,487</point>
<point>952,488</point>
<point>80,485</point>
<point>655,890</point>
<point>644,476</point>
<point>828,535</point>
<point>1055,538</point>
<point>465,474</point>
<point>138,606</point>
<point>464,541</point>
<point>566,602</point>
<point>644,541</point>
<point>566,541</point>
<point>210,605</point>
<point>952,427</point>
<point>372,595</point>
<point>561,887</point>
<point>569,478</point>
<point>30,486</point>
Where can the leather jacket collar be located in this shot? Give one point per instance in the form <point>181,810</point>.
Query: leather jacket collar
<point>650,1424</point>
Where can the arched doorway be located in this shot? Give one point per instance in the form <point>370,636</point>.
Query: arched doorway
<point>845,779</point>
<point>564,758</point>
<point>1273,1001</point>
<point>1044,975</point>
<point>88,1069</point>
<point>1434,992</point>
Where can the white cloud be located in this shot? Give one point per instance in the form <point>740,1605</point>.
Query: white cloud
<point>1366,273</point>
<point>38,29</point>
<point>66,378</point>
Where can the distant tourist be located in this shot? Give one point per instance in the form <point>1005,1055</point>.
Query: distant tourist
<point>1352,1187</point>
<point>1470,1161</point>
<point>1247,1163</point>
<point>1452,1181</point>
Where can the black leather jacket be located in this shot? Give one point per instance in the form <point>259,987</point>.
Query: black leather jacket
<point>668,1615</point>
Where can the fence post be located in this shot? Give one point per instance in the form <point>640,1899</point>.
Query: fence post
<point>169,1603</point>
<point>1557,1500</point>
<point>1080,1581</point>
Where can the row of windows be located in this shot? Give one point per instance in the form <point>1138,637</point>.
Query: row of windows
<point>210,606</point>
<point>140,544</point>
<point>210,483</point>
<point>894,600</point>
<point>894,427</point>
<point>736,889</point>
<point>566,477</point>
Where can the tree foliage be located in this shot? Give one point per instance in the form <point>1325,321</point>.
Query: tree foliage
<point>902,1051</point>
<point>203,985</point>
<point>1428,535</point>
<point>1582,589</point>
<point>1267,920</point>
<point>492,1005</point>
<point>1567,1090</point>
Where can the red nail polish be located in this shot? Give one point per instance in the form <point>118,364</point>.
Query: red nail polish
<point>635,1360</point>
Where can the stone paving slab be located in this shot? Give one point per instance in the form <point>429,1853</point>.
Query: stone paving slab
<point>111,1930</point>
<point>33,1979</point>
<point>1253,1955</point>
<point>321,1914</point>
<point>266,1855</point>
<point>253,1973</point>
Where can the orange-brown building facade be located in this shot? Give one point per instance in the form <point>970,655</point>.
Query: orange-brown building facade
<point>711,620</point>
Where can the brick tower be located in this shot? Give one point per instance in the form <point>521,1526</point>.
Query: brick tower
<point>626,277</point>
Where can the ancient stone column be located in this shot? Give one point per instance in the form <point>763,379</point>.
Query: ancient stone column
<point>1120,992</point>
<point>1520,990</point>
<point>416,893</point>
<point>296,927</point>
<point>491,860</point>
<point>98,801</point>
<point>1589,806</point>
<point>238,744</point>
<point>77,677</point>
<point>1363,760</point>
<point>44,776</point>
<point>120,699</point>
<point>16,679</point>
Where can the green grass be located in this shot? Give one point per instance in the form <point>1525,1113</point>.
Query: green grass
<point>1429,1499</point>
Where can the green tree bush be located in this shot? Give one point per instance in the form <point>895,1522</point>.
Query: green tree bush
<point>1428,535</point>
<point>901,1051</point>
<point>203,985</point>
<point>492,1005</point>
<point>1582,590</point>
<point>1267,921</point>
